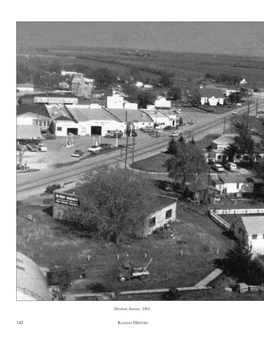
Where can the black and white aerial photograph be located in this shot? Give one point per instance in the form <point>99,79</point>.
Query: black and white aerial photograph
<point>139,167</point>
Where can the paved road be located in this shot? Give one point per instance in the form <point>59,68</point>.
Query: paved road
<point>34,183</point>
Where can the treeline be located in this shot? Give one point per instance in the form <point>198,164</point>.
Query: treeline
<point>143,68</point>
<point>224,79</point>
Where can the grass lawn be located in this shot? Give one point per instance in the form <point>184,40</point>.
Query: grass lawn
<point>156,163</point>
<point>181,257</point>
<point>153,164</point>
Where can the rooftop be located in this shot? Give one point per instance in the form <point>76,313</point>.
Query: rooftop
<point>83,113</point>
<point>133,115</point>
<point>225,139</point>
<point>31,283</point>
<point>28,132</point>
<point>254,225</point>
<point>38,109</point>
<point>231,178</point>
<point>211,92</point>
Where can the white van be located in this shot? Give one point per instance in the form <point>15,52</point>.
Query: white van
<point>231,166</point>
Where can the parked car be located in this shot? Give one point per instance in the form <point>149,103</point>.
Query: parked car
<point>42,147</point>
<point>218,167</point>
<point>21,148</point>
<point>231,166</point>
<point>174,133</point>
<point>114,133</point>
<point>95,149</point>
<point>77,153</point>
<point>106,146</point>
<point>32,148</point>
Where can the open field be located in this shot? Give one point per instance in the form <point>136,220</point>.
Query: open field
<point>179,260</point>
<point>188,68</point>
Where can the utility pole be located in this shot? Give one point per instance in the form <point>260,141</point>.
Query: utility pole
<point>257,107</point>
<point>133,150</point>
<point>224,126</point>
<point>126,142</point>
<point>247,116</point>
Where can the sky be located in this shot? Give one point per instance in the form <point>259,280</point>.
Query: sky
<point>241,38</point>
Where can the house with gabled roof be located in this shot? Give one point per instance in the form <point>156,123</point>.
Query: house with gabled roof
<point>212,96</point>
<point>250,230</point>
<point>28,133</point>
<point>232,183</point>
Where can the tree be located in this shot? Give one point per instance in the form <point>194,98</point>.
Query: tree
<point>235,97</point>
<point>104,78</point>
<point>174,93</point>
<point>114,204</point>
<point>231,152</point>
<point>187,163</point>
<point>55,66</point>
<point>238,263</point>
<point>166,79</point>
<point>172,146</point>
<point>239,123</point>
<point>195,97</point>
<point>145,98</point>
<point>52,127</point>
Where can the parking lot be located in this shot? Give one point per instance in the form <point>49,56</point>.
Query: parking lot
<point>58,152</point>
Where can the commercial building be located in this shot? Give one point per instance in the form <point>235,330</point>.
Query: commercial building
<point>83,120</point>
<point>164,210</point>
<point>134,117</point>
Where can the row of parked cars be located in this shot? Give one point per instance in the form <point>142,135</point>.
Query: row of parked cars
<point>119,133</point>
<point>230,166</point>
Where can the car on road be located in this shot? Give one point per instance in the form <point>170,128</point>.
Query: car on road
<point>95,149</point>
<point>174,134</point>
<point>32,148</point>
<point>114,133</point>
<point>77,153</point>
<point>218,167</point>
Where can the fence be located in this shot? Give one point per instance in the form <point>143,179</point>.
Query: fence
<point>220,221</point>
<point>240,211</point>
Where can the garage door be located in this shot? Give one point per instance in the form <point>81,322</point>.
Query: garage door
<point>96,130</point>
<point>73,131</point>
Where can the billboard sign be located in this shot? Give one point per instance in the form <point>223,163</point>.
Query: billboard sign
<point>56,100</point>
<point>65,199</point>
